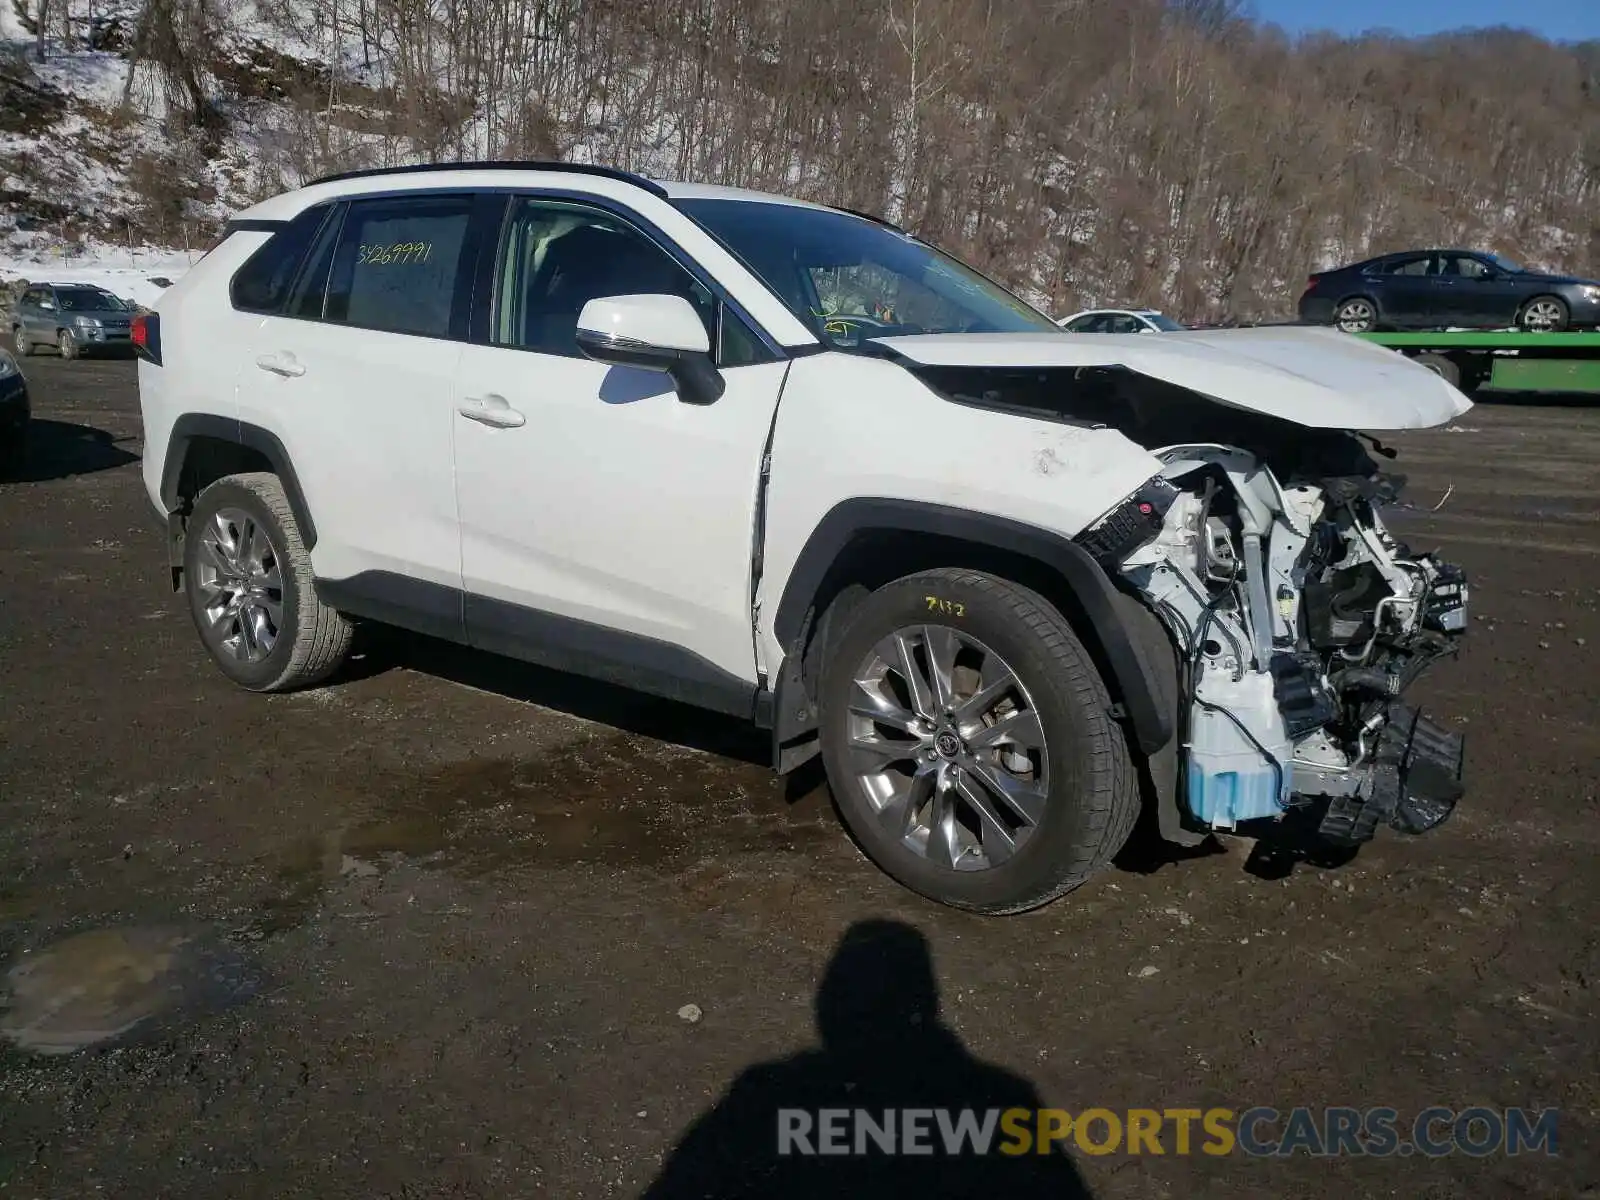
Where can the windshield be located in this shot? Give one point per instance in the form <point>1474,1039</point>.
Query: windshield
<point>1505,264</point>
<point>82,299</point>
<point>851,279</point>
<point>1163,322</point>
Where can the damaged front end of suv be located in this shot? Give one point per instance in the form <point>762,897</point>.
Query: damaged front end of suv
<point>1300,621</point>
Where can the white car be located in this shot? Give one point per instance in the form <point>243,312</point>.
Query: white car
<point>790,463</point>
<point>1120,320</point>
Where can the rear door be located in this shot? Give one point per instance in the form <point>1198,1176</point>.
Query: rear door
<point>1484,297</point>
<point>1410,293</point>
<point>355,373</point>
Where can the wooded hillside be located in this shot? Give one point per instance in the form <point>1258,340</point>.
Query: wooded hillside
<point>1168,152</point>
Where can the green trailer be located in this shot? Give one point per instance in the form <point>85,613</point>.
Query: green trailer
<point>1505,360</point>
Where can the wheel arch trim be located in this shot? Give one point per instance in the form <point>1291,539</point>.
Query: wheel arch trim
<point>1134,679</point>
<point>191,427</point>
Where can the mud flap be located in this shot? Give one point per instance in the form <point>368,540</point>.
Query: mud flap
<point>1416,782</point>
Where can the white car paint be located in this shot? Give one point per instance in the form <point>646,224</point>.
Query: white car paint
<point>617,504</point>
<point>1319,378</point>
<point>1043,473</point>
<point>608,504</point>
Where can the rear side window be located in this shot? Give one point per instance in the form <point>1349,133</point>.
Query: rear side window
<point>262,284</point>
<point>398,266</point>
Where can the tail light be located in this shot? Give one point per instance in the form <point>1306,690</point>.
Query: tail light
<point>146,334</point>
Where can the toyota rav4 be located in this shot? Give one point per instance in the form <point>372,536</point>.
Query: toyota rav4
<point>791,463</point>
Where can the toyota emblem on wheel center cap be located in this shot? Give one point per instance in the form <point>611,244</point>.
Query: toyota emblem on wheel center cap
<point>947,743</point>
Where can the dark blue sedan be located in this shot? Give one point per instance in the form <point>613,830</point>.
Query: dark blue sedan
<point>1438,289</point>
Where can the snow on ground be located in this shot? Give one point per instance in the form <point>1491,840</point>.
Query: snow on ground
<point>129,274</point>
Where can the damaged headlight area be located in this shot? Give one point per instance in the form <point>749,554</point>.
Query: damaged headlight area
<point>1300,622</point>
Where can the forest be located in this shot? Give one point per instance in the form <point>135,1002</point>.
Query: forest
<point>1175,153</point>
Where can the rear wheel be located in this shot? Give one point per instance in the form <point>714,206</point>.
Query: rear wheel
<point>1441,365</point>
<point>1544,314</point>
<point>1356,315</point>
<point>968,741</point>
<point>251,592</point>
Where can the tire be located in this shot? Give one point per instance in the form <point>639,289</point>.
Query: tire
<point>309,640</point>
<point>1441,365</point>
<point>1087,797</point>
<point>21,340</point>
<point>67,344</point>
<point>1356,314</point>
<point>1544,314</point>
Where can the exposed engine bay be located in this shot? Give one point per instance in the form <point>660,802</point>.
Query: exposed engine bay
<point>1300,621</point>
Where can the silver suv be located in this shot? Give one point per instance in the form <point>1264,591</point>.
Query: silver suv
<point>72,317</point>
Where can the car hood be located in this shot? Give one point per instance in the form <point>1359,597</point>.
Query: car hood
<point>1318,378</point>
<point>1541,277</point>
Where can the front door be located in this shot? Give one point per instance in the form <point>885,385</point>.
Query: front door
<point>1486,298</point>
<point>607,525</point>
<point>356,375</point>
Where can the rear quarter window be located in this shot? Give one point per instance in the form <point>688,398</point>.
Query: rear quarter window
<point>262,284</point>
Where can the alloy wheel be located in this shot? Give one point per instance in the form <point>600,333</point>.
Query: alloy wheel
<point>1543,315</point>
<point>240,582</point>
<point>1356,317</point>
<point>946,746</point>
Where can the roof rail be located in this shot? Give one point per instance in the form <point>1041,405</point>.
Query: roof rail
<point>523,164</point>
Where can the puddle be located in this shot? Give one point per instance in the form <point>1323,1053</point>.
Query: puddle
<point>607,800</point>
<point>97,986</point>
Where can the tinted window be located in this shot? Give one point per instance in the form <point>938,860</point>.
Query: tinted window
<point>32,296</point>
<point>556,257</point>
<point>1125,323</point>
<point>311,287</point>
<point>851,279</point>
<point>262,284</point>
<point>1410,266</point>
<point>87,299</point>
<point>397,266</point>
<point>1465,266</point>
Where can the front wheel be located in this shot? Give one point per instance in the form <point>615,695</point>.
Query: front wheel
<point>251,592</point>
<point>1544,314</point>
<point>1357,315</point>
<point>67,344</point>
<point>969,744</point>
<point>21,340</point>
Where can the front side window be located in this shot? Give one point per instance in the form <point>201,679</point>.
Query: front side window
<point>555,257</point>
<point>397,266</point>
<point>851,279</point>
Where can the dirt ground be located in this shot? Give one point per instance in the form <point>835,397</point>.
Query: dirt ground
<point>444,914</point>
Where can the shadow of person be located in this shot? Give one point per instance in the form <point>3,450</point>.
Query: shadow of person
<point>884,1051</point>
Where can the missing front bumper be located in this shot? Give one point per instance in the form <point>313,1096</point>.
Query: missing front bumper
<point>1414,783</point>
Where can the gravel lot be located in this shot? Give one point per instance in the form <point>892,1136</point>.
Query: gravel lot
<point>442,917</point>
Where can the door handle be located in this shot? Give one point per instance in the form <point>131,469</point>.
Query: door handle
<point>284,364</point>
<point>491,410</point>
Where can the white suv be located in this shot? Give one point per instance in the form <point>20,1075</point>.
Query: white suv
<point>789,462</point>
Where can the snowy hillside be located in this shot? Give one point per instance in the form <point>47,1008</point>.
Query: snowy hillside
<point>1160,152</point>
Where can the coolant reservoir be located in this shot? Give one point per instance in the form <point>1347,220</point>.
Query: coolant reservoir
<point>1229,779</point>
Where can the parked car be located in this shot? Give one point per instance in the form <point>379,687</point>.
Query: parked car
<point>15,414</point>
<point>1120,320</point>
<point>1433,289</point>
<point>75,318</point>
<point>620,428</point>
